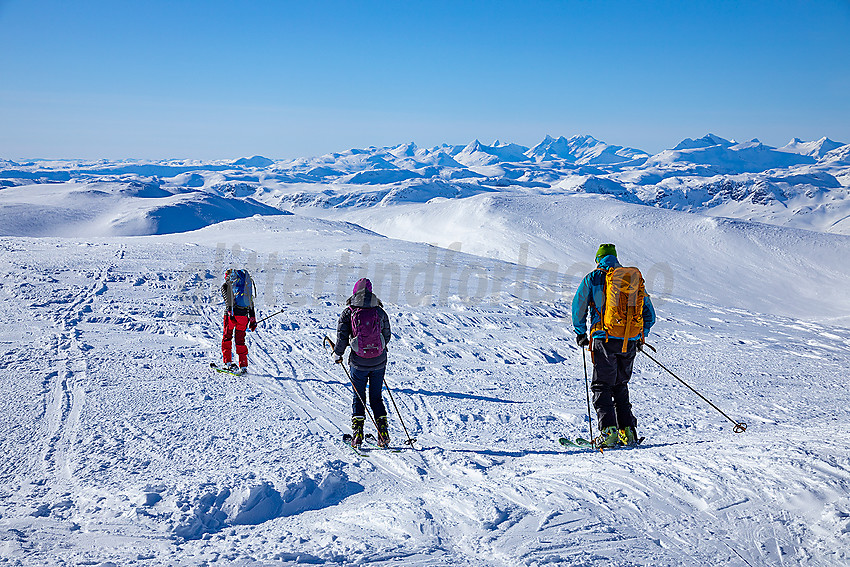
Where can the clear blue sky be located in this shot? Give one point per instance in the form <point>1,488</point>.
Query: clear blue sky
<point>221,79</point>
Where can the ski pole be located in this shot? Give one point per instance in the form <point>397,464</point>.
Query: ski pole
<point>270,316</point>
<point>328,341</point>
<point>740,427</point>
<point>587,391</point>
<point>410,440</point>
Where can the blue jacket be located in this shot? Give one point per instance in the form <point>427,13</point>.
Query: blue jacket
<point>591,290</point>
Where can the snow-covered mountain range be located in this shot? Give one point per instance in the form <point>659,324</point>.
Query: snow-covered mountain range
<point>802,184</point>
<point>119,445</point>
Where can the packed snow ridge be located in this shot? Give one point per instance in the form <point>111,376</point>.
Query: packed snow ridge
<point>802,184</point>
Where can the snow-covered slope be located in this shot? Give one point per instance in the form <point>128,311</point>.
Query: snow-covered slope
<point>706,141</point>
<point>477,153</point>
<point>838,156</point>
<point>586,150</point>
<point>256,161</point>
<point>119,445</point>
<point>817,149</point>
<point>721,158</point>
<point>720,260</point>
<point>126,209</point>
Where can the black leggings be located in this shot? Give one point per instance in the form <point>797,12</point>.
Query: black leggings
<point>612,370</point>
<point>375,378</point>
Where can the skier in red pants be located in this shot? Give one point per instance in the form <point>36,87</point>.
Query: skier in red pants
<point>238,293</point>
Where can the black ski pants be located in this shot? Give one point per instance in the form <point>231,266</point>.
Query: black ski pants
<point>375,378</point>
<point>612,370</point>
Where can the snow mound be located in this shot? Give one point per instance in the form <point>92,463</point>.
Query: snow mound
<point>556,233</point>
<point>598,185</point>
<point>352,196</point>
<point>255,504</point>
<point>115,209</point>
<point>192,180</point>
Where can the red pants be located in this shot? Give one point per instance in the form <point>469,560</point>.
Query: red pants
<point>235,327</point>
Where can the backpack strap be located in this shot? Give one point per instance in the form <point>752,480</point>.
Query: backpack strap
<point>228,292</point>
<point>599,326</point>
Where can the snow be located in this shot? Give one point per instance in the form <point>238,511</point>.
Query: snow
<point>801,185</point>
<point>817,149</point>
<point>256,161</point>
<point>748,157</point>
<point>586,150</point>
<point>120,447</point>
<point>105,209</point>
<point>838,156</point>
<point>705,142</point>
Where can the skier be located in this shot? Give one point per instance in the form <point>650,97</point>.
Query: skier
<point>365,326</point>
<point>621,315</point>
<point>238,292</point>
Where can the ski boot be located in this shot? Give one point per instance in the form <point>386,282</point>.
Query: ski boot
<point>628,436</point>
<point>232,367</point>
<point>383,431</point>
<point>357,430</point>
<point>607,438</point>
<point>243,370</point>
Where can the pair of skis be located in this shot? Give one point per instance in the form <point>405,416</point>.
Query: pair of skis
<point>223,370</point>
<point>581,443</point>
<point>577,442</point>
<point>370,441</point>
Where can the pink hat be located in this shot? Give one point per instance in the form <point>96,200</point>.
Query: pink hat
<point>361,284</point>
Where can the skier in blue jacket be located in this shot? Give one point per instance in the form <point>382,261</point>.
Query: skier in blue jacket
<point>612,366</point>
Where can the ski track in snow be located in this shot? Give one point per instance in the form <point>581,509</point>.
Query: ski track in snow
<point>119,445</point>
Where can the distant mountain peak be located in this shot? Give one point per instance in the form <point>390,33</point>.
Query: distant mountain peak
<point>404,150</point>
<point>255,161</point>
<point>583,149</point>
<point>705,142</point>
<point>816,149</point>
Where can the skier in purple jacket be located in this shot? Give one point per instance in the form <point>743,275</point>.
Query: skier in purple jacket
<point>365,327</point>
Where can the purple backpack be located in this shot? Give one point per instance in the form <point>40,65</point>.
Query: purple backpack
<point>367,341</point>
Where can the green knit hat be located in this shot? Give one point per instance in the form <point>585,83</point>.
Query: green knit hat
<point>605,250</point>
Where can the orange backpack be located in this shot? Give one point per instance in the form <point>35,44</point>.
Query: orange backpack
<point>622,314</point>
